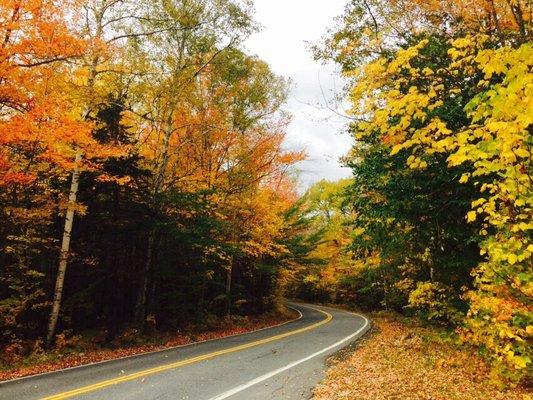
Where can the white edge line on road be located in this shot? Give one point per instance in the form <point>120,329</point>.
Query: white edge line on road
<point>269,375</point>
<point>110,360</point>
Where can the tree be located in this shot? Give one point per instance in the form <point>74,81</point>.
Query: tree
<point>149,123</point>
<point>319,260</point>
<point>39,131</point>
<point>431,132</point>
<point>201,32</point>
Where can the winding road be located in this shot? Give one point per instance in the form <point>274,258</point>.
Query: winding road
<point>283,362</point>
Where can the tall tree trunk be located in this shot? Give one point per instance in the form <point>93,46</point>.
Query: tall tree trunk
<point>140,306</point>
<point>228,287</point>
<point>153,277</point>
<point>229,270</point>
<point>65,249</point>
<point>69,218</point>
<point>115,259</point>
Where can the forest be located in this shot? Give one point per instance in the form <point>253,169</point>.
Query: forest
<point>437,219</point>
<point>146,183</point>
<point>142,170</point>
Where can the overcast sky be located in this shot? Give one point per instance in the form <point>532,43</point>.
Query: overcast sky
<point>287,27</point>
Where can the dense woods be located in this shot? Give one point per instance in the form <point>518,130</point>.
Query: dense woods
<point>145,184</point>
<point>142,171</point>
<point>437,219</point>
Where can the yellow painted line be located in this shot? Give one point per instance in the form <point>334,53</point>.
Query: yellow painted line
<point>188,361</point>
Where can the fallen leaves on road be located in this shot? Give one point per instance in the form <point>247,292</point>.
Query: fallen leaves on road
<point>401,360</point>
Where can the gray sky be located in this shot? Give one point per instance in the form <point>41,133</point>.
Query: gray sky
<point>287,26</point>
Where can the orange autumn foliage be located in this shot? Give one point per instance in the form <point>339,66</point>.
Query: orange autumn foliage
<point>203,130</point>
<point>37,126</point>
<point>493,15</point>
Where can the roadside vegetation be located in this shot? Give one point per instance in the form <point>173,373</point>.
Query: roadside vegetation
<point>436,222</point>
<point>143,175</point>
<point>71,350</point>
<point>146,188</point>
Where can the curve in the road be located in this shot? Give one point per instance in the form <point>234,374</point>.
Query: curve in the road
<point>288,360</point>
<point>278,371</point>
<point>150,371</point>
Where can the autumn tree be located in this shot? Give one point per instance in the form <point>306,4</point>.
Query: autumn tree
<point>319,263</point>
<point>201,33</point>
<point>228,142</point>
<point>169,139</point>
<point>433,139</point>
<point>39,133</point>
<point>107,27</point>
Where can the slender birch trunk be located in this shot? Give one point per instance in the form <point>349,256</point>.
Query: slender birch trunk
<point>64,253</point>
<point>69,218</point>
<point>69,221</point>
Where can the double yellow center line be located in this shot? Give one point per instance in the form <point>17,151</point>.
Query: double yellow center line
<point>188,361</point>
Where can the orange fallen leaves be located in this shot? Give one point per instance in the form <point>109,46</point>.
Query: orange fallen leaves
<point>406,362</point>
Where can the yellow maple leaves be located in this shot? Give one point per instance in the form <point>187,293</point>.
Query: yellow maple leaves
<point>495,145</point>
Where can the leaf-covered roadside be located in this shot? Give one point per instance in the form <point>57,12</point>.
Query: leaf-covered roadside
<point>404,360</point>
<point>78,350</point>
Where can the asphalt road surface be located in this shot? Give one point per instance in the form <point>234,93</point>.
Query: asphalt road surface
<point>280,363</point>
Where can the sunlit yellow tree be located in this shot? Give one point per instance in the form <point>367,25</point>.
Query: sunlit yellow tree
<point>453,87</point>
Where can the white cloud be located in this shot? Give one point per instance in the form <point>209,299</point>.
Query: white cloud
<point>288,27</point>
